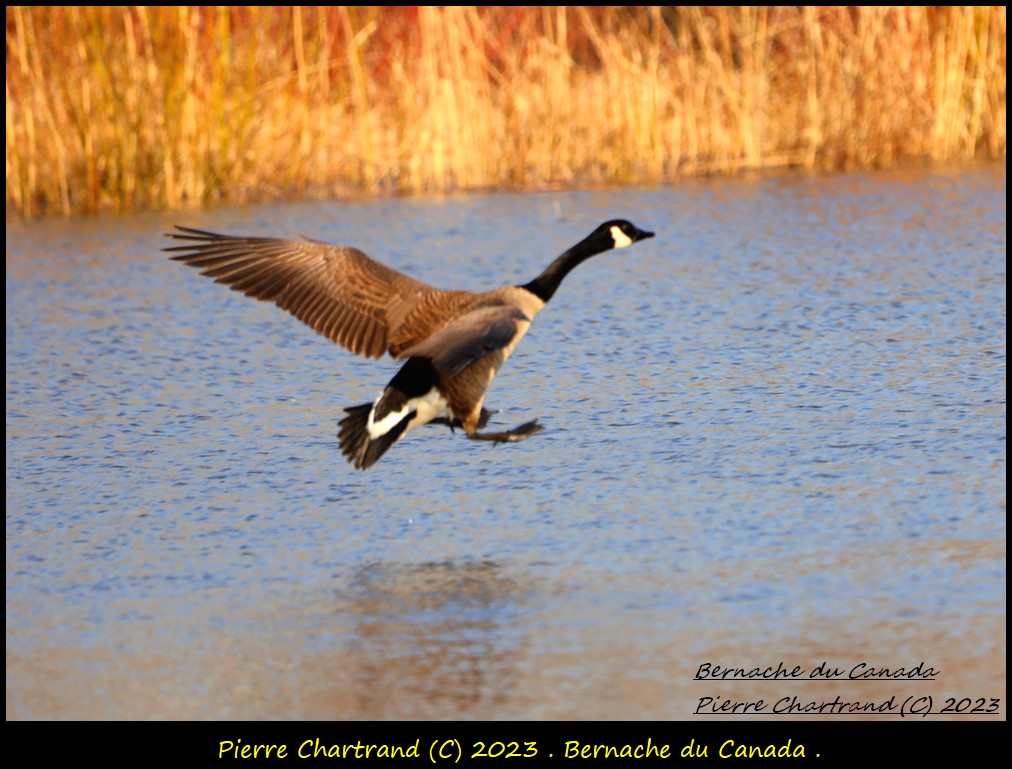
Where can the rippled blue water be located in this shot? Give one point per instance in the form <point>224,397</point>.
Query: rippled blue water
<point>775,431</point>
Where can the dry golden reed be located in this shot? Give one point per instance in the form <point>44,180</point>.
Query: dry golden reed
<point>135,107</point>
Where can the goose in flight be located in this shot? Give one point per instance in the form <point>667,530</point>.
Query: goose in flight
<point>452,342</point>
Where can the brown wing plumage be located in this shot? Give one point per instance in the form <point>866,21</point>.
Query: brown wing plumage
<point>336,290</point>
<point>470,337</point>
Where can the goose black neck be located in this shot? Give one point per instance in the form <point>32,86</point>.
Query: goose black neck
<point>547,283</point>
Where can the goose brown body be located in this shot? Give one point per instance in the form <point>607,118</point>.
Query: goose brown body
<point>454,341</point>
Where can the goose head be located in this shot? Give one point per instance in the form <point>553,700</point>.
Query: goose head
<point>615,233</point>
<point>621,232</point>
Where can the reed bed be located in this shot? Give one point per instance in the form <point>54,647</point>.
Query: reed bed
<point>167,107</point>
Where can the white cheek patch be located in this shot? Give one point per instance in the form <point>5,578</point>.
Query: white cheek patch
<point>621,239</point>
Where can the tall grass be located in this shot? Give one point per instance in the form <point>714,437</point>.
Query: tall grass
<point>178,106</point>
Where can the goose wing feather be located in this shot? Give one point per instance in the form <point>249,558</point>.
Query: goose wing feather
<point>470,337</point>
<point>338,291</point>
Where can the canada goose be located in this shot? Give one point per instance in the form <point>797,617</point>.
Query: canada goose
<point>453,341</point>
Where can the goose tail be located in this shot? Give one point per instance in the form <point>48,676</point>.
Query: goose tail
<point>356,444</point>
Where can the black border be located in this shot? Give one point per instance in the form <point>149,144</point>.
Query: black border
<point>826,743</point>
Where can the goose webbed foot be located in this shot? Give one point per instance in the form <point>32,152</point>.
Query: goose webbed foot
<point>525,430</point>
<point>455,423</point>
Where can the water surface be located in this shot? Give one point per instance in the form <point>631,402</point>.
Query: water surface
<point>774,432</point>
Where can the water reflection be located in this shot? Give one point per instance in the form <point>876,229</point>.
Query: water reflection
<point>441,633</point>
